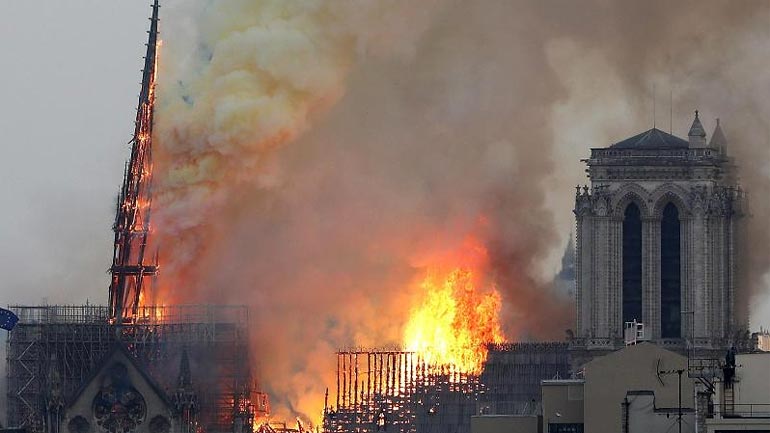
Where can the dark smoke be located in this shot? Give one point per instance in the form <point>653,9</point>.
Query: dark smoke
<point>474,127</point>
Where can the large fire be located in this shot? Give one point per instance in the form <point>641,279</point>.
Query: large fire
<point>456,319</point>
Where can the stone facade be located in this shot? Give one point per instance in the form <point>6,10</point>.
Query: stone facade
<point>121,397</point>
<point>683,200</point>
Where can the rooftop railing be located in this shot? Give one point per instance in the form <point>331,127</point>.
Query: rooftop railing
<point>150,315</point>
<point>742,410</point>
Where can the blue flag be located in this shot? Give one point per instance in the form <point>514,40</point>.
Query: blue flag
<point>7,319</point>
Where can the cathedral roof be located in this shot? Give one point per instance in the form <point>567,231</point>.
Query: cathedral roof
<point>652,139</point>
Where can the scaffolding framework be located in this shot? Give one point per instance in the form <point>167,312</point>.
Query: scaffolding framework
<point>68,342</point>
<point>513,372</point>
<point>398,391</point>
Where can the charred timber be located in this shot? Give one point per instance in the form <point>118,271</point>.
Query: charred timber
<point>130,267</point>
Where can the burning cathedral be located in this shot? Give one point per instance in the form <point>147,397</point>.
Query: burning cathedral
<point>657,258</point>
<point>129,366</point>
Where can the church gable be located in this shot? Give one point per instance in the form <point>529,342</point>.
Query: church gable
<point>119,398</point>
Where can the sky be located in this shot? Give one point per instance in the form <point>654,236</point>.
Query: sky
<point>70,77</point>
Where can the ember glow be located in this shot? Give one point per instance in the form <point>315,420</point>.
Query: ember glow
<point>456,319</point>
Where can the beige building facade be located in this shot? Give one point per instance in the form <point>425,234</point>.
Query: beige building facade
<point>505,424</point>
<point>563,405</point>
<point>610,379</point>
<point>632,390</point>
<point>742,404</point>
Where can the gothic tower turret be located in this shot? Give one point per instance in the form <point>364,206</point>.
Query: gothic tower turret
<point>658,242</point>
<point>697,134</point>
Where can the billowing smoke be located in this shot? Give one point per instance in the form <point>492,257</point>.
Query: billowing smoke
<point>315,158</point>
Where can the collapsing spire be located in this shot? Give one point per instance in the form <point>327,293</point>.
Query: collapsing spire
<point>130,267</point>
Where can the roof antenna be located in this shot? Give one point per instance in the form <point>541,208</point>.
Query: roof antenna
<point>671,110</point>
<point>653,105</point>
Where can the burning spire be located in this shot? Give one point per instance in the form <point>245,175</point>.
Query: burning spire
<point>130,268</point>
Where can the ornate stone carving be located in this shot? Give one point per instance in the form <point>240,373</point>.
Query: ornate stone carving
<point>118,407</point>
<point>698,199</point>
<point>700,183</point>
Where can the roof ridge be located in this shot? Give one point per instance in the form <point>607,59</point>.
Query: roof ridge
<point>653,138</point>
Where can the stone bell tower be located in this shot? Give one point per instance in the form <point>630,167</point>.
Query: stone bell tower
<point>658,240</point>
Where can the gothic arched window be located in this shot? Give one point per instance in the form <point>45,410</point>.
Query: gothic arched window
<point>670,274</point>
<point>632,264</point>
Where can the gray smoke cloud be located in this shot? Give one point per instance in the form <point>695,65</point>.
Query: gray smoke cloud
<point>472,124</point>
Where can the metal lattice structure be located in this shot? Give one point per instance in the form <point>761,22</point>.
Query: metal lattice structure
<point>70,341</point>
<point>513,372</point>
<point>398,391</point>
<point>130,267</point>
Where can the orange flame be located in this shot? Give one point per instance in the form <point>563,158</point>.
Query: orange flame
<point>456,320</point>
<point>150,312</point>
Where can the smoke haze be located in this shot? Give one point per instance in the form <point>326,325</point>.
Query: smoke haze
<point>315,158</point>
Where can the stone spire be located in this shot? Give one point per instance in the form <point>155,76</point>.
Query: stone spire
<point>567,271</point>
<point>185,398</point>
<point>184,381</point>
<point>697,134</point>
<point>718,139</point>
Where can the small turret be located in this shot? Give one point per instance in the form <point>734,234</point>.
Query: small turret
<point>697,134</point>
<point>718,139</point>
<point>184,380</point>
<point>185,398</point>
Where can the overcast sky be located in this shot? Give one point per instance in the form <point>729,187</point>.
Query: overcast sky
<point>70,78</point>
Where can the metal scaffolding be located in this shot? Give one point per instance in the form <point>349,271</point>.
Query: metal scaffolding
<point>513,372</point>
<point>66,343</point>
<point>398,391</point>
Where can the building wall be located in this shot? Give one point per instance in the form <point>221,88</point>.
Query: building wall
<point>746,405</point>
<point>737,425</point>
<point>562,402</point>
<point>157,409</point>
<point>505,424</point>
<point>644,415</point>
<point>609,378</point>
<point>752,384</point>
